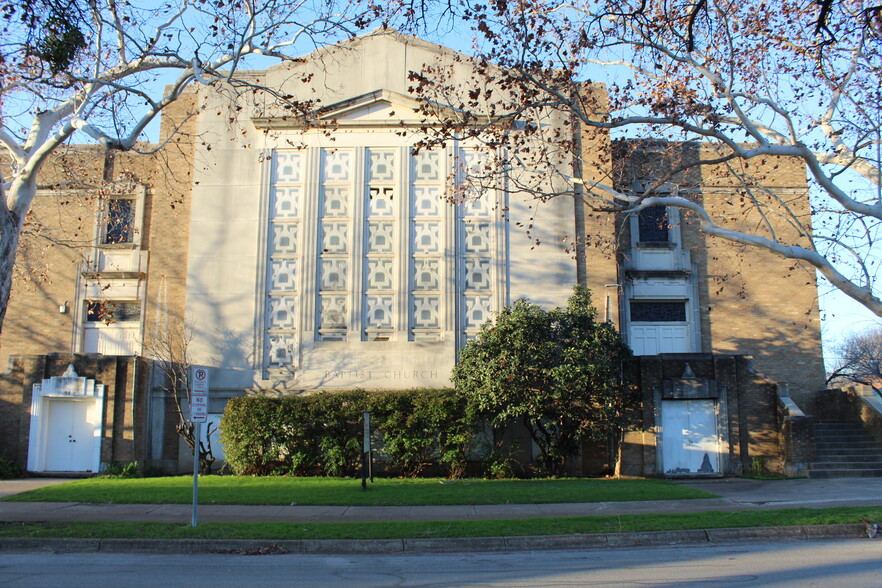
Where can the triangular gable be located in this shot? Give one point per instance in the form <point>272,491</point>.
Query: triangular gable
<point>341,80</point>
<point>380,108</point>
<point>379,105</point>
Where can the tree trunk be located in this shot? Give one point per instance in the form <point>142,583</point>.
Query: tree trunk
<point>10,235</point>
<point>205,463</point>
<point>620,442</point>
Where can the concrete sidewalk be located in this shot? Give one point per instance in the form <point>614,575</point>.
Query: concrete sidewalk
<point>735,495</point>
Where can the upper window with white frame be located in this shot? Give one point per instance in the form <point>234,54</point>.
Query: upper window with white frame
<point>119,226</point>
<point>655,227</point>
<point>121,217</point>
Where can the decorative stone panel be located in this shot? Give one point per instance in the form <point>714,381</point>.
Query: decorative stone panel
<point>476,245</point>
<point>364,232</point>
<point>281,324</point>
<point>381,205</point>
<point>426,238</point>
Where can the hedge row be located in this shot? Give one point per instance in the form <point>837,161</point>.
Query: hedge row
<point>321,434</point>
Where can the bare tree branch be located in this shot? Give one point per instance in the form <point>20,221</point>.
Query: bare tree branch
<point>78,68</point>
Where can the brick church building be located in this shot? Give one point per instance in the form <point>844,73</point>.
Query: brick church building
<point>302,258</point>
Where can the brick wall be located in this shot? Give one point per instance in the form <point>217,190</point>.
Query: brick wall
<point>601,245</point>
<point>764,305</point>
<point>63,228</point>
<point>752,302</point>
<point>169,175</point>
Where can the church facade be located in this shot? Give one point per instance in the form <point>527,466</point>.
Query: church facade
<point>345,254</point>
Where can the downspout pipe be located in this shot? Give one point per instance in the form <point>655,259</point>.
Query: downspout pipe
<point>578,203</point>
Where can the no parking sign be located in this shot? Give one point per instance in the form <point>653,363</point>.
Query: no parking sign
<point>199,395</point>
<point>199,415</point>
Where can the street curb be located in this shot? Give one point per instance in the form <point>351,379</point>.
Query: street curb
<point>451,545</point>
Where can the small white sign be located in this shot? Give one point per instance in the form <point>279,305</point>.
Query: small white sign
<point>199,395</point>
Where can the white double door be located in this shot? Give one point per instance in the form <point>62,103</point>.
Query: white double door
<point>690,437</point>
<point>71,439</point>
<point>652,339</point>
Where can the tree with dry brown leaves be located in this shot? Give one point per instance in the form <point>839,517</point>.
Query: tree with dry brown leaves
<point>713,84</point>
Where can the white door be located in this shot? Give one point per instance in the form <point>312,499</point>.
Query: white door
<point>690,440</point>
<point>649,339</point>
<point>70,435</point>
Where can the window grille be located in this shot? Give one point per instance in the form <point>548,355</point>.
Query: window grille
<point>653,225</point>
<point>109,311</point>
<point>657,312</point>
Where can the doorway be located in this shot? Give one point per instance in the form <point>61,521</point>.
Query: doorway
<point>71,440</point>
<point>67,416</point>
<point>690,437</point>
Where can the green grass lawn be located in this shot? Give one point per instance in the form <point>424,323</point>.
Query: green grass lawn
<point>343,491</point>
<point>442,529</point>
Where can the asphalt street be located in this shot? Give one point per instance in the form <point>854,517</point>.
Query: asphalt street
<point>789,564</point>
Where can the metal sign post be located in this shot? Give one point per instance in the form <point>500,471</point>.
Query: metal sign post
<point>197,431</point>
<point>366,457</point>
<point>198,415</point>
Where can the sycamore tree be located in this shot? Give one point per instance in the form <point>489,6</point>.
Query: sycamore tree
<point>558,373</point>
<point>101,71</point>
<point>734,87</point>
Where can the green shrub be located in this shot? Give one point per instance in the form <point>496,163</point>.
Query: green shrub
<point>294,450</point>
<point>337,417</point>
<point>119,469</point>
<point>249,434</point>
<point>9,468</point>
<point>408,430</point>
<point>294,435</point>
<point>320,434</point>
<point>556,372</point>
<point>757,466</point>
<point>422,427</point>
<point>501,462</point>
<point>456,427</point>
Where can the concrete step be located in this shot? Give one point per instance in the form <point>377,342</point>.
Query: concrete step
<point>845,473</point>
<point>846,465</point>
<point>836,425</point>
<point>852,434</point>
<point>847,445</point>
<point>845,450</point>
<point>837,457</point>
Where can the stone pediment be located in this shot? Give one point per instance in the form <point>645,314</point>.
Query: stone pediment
<point>69,384</point>
<point>380,108</point>
<point>380,105</point>
<point>689,387</point>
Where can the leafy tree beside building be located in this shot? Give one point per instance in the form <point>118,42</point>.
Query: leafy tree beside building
<point>556,372</point>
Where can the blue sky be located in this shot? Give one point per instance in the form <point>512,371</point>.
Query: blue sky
<point>841,316</point>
